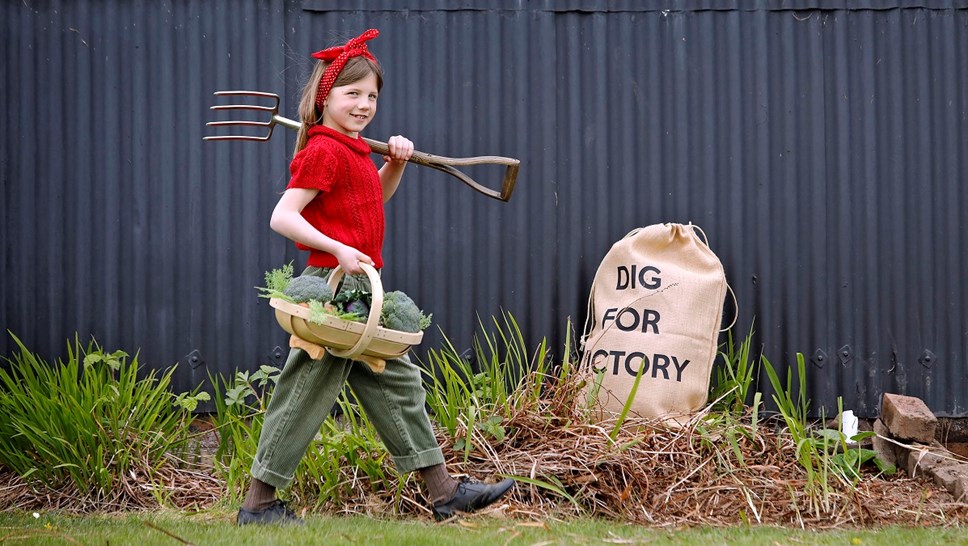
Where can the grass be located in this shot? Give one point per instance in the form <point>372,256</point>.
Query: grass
<point>504,409</point>
<point>91,421</point>
<point>215,527</point>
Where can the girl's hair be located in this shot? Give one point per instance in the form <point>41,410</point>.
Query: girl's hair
<point>355,70</point>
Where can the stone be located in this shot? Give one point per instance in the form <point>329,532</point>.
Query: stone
<point>947,475</point>
<point>908,418</point>
<point>960,489</point>
<point>923,461</point>
<point>884,448</point>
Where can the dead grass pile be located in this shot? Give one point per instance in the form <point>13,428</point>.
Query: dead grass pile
<point>653,474</point>
<point>714,470</point>
<point>178,484</point>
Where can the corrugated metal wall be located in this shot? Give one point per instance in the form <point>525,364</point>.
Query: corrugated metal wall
<point>819,144</point>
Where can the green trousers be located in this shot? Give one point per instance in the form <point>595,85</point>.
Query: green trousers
<point>306,392</point>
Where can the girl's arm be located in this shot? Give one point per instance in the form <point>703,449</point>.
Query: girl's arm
<point>288,221</point>
<point>401,149</point>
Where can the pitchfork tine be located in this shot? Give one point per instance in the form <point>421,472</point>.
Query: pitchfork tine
<point>272,110</point>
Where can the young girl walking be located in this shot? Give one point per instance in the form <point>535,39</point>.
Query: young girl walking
<point>333,208</point>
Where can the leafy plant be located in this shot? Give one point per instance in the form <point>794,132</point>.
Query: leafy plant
<point>824,454</point>
<point>277,280</point>
<point>734,375</point>
<point>239,413</point>
<point>318,311</point>
<point>849,460</point>
<point>811,452</point>
<point>628,403</point>
<point>88,420</point>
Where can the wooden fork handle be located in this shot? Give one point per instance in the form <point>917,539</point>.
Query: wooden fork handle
<point>429,160</point>
<point>445,164</point>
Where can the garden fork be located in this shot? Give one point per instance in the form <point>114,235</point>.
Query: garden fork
<point>444,164</point>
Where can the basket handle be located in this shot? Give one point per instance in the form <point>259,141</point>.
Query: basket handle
<point>372,321</point>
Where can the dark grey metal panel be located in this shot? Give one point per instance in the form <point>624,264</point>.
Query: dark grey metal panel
<point>820,149</point>
<point>119,223</point>
<point>613,6</point>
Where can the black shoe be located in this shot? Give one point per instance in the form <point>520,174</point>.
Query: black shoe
<point>277,513</point>
<point>472,495</point>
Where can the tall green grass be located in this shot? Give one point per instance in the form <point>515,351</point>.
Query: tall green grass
<point>88,419</point>
<point>734,375</point>
<point>476,396</point>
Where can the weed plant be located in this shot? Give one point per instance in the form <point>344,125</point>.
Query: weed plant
<point>475,396</point>
<point>734,376</point>
<point>346,450</point>
<point>239,412</point>
<point>89,421</point>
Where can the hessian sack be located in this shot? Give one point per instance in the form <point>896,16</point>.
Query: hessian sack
<point>656,305</point>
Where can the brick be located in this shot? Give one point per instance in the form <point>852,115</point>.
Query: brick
<point>923,461</point>
<point>948,474</point>
<point>908,418</point>
<point>883,448</point>
<point>960,489</point>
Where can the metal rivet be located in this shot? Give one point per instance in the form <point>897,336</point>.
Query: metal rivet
<point>845,353</point>
<point>818,358</point>
<point>277,353</point>
<point>194,359</point>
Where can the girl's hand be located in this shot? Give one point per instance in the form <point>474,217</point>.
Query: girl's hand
<point>350,259</point>
<point>401,149</point>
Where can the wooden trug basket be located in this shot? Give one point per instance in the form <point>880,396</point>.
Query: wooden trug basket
<point>347,338</point>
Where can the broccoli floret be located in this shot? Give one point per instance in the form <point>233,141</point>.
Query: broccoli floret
<point>308,287</point>
<point>401,313</point>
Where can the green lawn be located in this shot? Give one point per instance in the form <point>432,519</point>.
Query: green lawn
<point>216,527</point>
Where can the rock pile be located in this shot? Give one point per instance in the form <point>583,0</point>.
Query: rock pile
<point>906,437</point>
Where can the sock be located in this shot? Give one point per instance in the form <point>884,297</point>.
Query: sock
<point>259,497</point>
<point>441,487</point>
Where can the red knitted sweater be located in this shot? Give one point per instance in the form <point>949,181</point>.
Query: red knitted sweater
<point>349,205</point>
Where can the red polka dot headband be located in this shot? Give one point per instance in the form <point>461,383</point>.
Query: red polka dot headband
<point>338,56</point>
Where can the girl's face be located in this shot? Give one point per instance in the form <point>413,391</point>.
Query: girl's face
<point>349,108</point>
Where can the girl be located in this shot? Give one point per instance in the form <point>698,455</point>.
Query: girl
<point>333,207</point>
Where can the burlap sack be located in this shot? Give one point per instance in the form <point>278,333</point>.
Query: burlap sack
<point>656,304</point>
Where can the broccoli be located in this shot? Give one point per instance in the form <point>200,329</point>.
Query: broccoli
<point>401,313</point>
<point>307,287</point>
